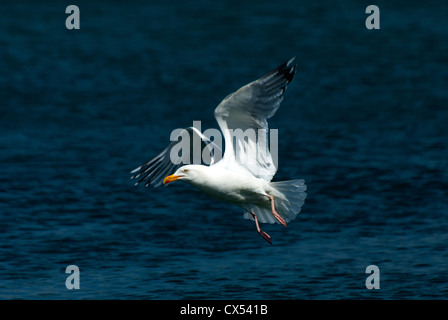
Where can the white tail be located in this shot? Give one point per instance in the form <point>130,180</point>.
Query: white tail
<point>288,202</point>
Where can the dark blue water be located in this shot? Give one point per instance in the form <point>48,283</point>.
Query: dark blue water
<point>364,123</point>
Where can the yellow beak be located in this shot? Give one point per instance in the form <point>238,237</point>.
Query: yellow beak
<point>171,178</point>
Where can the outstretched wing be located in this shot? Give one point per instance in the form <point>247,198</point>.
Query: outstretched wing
<point>180,152</point>
<point>249,108</point>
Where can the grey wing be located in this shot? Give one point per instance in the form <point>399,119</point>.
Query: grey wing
<point>254,103</point>
<point>168,161</point>
<point>249,108</point>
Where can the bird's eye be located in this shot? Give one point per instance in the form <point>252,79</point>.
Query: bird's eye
<point>185,170</point>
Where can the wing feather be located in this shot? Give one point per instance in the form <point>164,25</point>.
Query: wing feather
<point>249,108</point>
<point>157,168</point>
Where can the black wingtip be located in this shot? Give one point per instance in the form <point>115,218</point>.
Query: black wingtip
<point>287,70</point>
<point>290,61</point>
<point>290,75</point>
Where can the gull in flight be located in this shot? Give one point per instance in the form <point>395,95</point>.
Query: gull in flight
<point>233,177</point>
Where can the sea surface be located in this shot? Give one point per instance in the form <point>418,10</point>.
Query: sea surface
<point>364,122</point>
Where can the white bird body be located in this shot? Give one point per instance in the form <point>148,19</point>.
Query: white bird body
<point>237,187</point>
<point>233,179</point>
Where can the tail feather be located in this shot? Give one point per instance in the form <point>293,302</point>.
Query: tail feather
<point>289,197</point>
<point>294,198</point>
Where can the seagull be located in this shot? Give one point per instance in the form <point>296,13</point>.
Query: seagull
<point>233,177</point>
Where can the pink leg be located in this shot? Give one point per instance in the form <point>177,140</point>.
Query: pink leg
<point>274,213</point>
<point>261,232</point>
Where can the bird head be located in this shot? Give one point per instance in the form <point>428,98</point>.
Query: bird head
<point>186,173</point>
